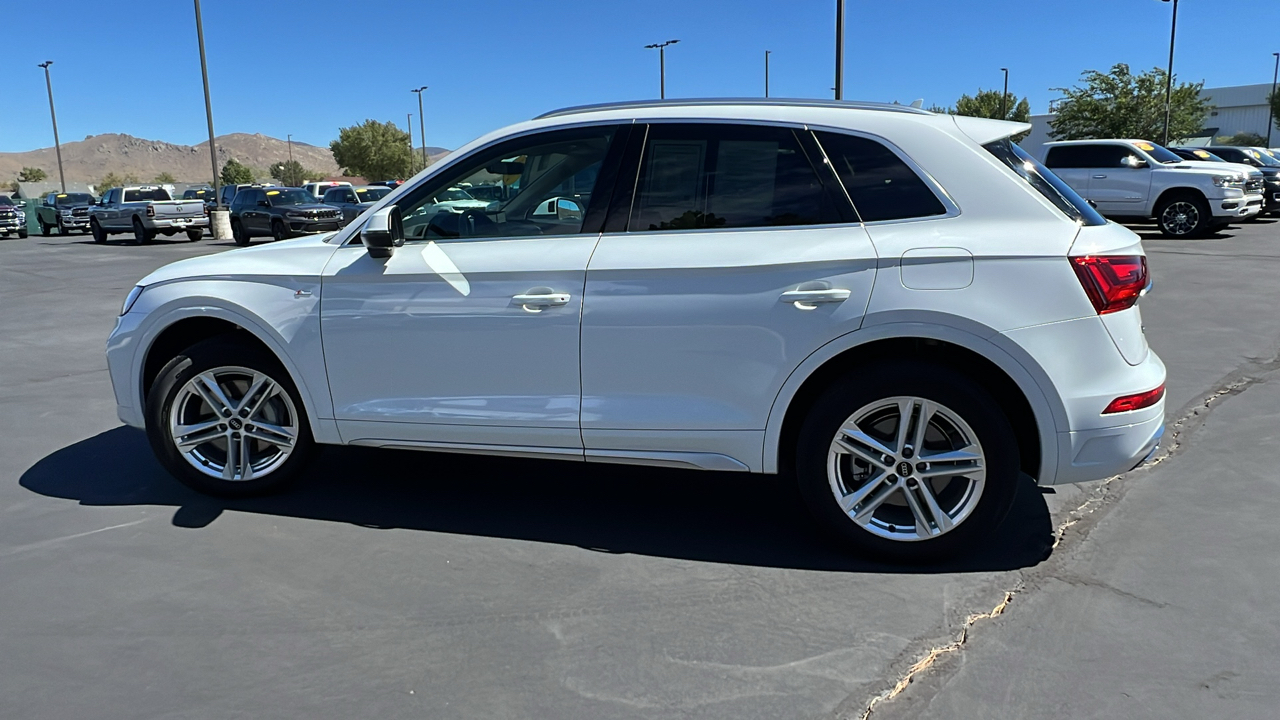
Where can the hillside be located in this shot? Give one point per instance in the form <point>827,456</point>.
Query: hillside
<point>89,159</point>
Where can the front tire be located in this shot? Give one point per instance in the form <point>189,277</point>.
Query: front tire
<point>22,233</point>
<point>225,419</point>
<point>95,227</point>
<point>44,229</point>
<point>907,491</point>
<point>278,231</point>
<point>1184,216</point>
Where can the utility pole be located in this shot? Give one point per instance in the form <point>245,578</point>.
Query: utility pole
<point>1168,85</point>
<point>289,139</point>
<point>1004,99</point>
<point>839,50</point>
<point>208,106</point>
<point>1271,100</point>
<point>662,65</point>
<point>62,179</point>
<point>422,126</point>
<point>766,72</point>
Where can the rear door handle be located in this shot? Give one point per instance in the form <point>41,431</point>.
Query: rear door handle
<point>537,301</point>
<point>810,298</point>
<point>1099,177</point>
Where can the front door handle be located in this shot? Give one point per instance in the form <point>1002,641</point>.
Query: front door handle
<point>1099,177</point>
<point>536,301</point>
<point>808,299</point>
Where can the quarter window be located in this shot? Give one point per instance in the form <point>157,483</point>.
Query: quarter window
<point>881,185</point>
<point>730,176</point>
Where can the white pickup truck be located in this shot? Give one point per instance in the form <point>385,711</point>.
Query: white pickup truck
<point>1132,179</point>
<point>146,211</point>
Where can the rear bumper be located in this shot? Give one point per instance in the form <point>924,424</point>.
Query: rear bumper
<point>1096,454</point>
<point>176,223</point>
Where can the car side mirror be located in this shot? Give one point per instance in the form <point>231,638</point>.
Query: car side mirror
<point>568,209</point>
<point>1133,162</point>
<point>263,203</point>
<point>383,232</point>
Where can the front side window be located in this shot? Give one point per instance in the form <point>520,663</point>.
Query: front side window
<point>881,185</point>
<point>547,182</point>
<point>1043,181</point>
<point>702,176</point>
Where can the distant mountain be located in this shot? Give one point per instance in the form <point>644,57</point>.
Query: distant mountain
<point>90,159</point>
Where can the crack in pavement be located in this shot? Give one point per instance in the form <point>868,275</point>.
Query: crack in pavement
<point>1103,495</point>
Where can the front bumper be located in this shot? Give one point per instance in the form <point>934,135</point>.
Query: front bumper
<point>74,221</point>
<point>306,227</point>
<point>12,225</point>
<point>1236,208</point>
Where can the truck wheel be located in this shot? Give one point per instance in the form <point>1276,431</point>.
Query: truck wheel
<point>907,461</point>
<point>22,233</point>
<point>44,229</point>
<point>278,231</point>
<point>99,235</point>
<point>1184,216</point>
<point>61,229</point>
<point>141,236</point>
<point>238,232</point>
<point>194,235</point>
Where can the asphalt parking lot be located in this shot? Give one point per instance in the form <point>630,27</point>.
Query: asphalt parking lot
<point>424,585</point>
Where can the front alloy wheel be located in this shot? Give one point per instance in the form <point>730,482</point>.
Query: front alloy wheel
<point>1184,217</point>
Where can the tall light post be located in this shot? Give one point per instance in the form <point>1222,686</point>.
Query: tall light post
<point>208,107</point>
<point>1272,100</point>
<point>289,139</point>
<point>1004,99</point>
<point>57,146</point>
<point>422,125</point>
<point>662,65</point>
<point>766,72</point>
<point>1168,81</point>
<point>839,88</point>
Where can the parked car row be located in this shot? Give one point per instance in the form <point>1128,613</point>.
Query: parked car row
<point>1261,159</point>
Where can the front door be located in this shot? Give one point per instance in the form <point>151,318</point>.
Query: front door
<point>1114,186</point>
<point>468,334</point>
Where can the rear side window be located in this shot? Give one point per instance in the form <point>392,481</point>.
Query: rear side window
<point>1045,182</point>
<point>880,184</point>
<point>701,176</point>
<point>1087,156</point>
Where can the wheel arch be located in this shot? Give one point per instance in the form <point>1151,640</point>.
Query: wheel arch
<point>1009,374</point>
<point>1175,192</point>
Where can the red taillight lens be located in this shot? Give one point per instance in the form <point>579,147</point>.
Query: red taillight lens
<point>151,211</point>
<point>1113,283</point>
<point>1135,402</point>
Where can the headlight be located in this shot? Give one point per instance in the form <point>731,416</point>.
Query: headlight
<point>1227,181</point>
<point>295,216</point>
<point>130,299</point>
<point>64,213</point>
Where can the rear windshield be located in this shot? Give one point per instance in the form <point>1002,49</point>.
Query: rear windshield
<point>141,194</point>
<point>1045,182</point>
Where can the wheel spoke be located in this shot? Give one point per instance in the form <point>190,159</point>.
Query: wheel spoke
<point>248,402</point>
<point>906,409</point>
<point>856,442</point>
<point>940,518</point>
<point>923,529</point>
<point>208,388</point>
<point>848,502</point>
<point>963,461</point>
<point>922,425</point>
<point>233,457</point>
<point>189,436</point>
<point>278,435</point>
<point>874,502</point>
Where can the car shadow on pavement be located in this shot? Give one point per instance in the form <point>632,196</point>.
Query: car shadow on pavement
<point>733,518</point>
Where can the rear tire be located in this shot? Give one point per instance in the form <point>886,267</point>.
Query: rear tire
<point>99,235</point>
<point>888,500</point>
<point>1184,216</point>
<point>195,235</point>
<point>141,236</point>
<point>258,443</point>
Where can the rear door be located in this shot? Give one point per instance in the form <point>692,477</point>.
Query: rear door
<point>737,257</point>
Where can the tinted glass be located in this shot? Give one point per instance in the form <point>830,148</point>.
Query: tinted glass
<point>371,194</point>
<point>73,198</point>
<point>547,182</point>
<point>144,195</point>
<point>1158,153</point>
<point>1045,182</point>
<point>731,176</point>
<point>291,196</point>
<point>1088,156</point>
<point>4,200</point>
<point>880,184</point>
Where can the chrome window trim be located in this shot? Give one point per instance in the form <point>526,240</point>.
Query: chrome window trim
<point>725,102</point>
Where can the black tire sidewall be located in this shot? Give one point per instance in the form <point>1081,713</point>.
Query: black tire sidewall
<point>238,233</point>
<point>217,352</point>
<point>1202,207</point>
<point>195,235</point>
<point>95,229</point>
<point>278,231</point>
<point>920,379</point>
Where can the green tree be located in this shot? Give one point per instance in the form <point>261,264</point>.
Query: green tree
<point>165,177</point>
<point>373,150</point>
<point>291,173</point>
<point>32,174</point>
<point>1242,139</point>
<point>1119,104</point>
<point>113,180</point>
<point>990,104</point>
<point>233,173</point>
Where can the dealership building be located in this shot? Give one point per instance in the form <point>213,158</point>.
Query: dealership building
<point>1241,108</point>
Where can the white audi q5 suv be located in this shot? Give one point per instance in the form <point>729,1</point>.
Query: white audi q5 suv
<point>902,311</point>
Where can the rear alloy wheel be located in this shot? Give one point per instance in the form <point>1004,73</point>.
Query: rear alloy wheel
<point>225,419</point>
<point>278,230</point>
<point>908,462</point>
<point>99,235</point>
<point>1184,217</point>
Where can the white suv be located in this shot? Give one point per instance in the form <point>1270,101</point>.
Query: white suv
<point>901,310</point>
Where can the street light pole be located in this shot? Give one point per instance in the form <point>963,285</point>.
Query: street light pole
<point>1004,99</point>
<point>1272,100</point>
<point>422,126</point>
<point>839,49</point>
<point>662,65</point>
<point>1168,86</point>
<point>289,139</point>
<point>57,146</point>
<point>766,72</point>
<point>208,106</point>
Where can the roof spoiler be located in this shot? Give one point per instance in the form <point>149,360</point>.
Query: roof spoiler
<point>986,130</point>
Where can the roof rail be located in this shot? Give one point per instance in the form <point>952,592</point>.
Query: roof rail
<point>780,102</point>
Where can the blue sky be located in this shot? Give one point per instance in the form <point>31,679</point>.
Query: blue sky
<point>308,68</point>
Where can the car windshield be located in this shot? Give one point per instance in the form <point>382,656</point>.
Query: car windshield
<point>453,194</point>
<point>1158,153</point>
<point>74,198</point>
<point>372,194</point>
<point>1263,158</point>
<point>1204,156</point>
<point>279,198</point>
<point>1045,182</point>
<point>4,200</point>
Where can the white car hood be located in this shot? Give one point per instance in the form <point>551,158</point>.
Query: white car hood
<point>299,257</point>
<point>1213,168</point>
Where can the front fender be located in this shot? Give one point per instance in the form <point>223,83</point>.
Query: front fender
<point>1046,406</point>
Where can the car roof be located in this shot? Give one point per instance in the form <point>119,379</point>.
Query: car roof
<point>1101,140</point>
<point>736,102</point>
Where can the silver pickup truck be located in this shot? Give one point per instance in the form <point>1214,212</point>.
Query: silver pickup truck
<point>146,211</point>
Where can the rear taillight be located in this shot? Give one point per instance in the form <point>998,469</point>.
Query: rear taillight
<point>1137,401</point>
<point>151,211</point>
<point>1113,283</point>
